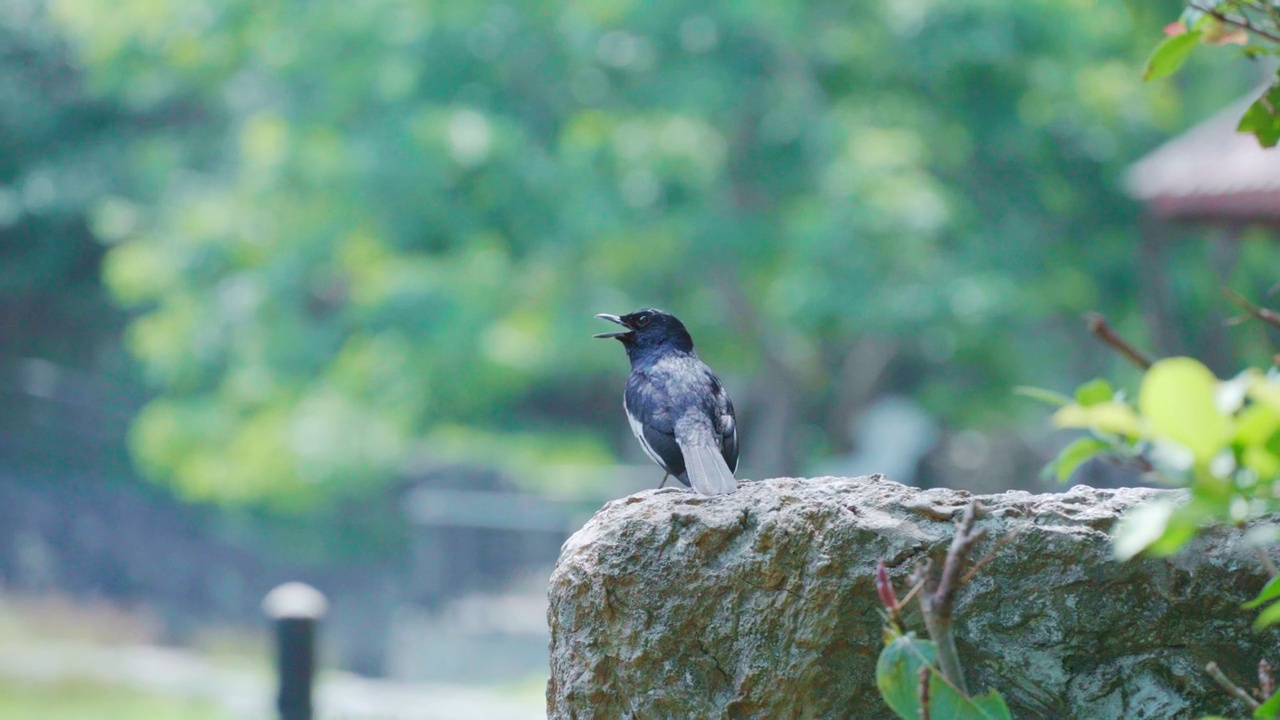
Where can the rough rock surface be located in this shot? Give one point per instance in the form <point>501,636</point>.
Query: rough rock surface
<point>760,604</point>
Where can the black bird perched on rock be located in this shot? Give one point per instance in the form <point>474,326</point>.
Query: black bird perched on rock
<point>677,407</point>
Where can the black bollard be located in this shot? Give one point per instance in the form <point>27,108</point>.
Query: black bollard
<point>296,609</point>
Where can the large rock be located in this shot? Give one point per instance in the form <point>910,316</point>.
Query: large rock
<point>760,604</point>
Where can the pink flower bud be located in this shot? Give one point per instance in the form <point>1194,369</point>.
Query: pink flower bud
<point>884,588</point>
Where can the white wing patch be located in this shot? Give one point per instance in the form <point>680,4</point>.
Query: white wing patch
<point>637,429</point>
<point>734,469</point>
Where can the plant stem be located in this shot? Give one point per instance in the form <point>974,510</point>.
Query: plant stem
<point>1097,325</point>
<point>1235,690</point>
<point>944,641</point>
<point>923,690</point>
<point>1237,22</point>
<point>1266,315</point>
<point>988,557</point>
<point>939,602</point>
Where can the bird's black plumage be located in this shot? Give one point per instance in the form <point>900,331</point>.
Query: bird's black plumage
<point>677,407</point>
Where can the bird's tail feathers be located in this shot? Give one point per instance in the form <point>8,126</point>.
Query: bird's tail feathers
<point>707,470</point>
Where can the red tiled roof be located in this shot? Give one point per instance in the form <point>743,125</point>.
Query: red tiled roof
<point>1211,173</point>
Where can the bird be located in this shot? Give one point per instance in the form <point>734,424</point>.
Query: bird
<point>676,406</point>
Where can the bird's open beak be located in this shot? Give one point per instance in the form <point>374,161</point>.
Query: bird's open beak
<point>613,319</point>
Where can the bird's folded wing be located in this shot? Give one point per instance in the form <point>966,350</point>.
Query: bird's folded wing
<point>708,473</point>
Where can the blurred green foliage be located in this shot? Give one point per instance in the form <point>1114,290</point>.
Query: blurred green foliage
<point>357,237</point>
<point>1252,24</point>
<point>1221,439</point>
<point>57,146</point>
<point>1218,439</point>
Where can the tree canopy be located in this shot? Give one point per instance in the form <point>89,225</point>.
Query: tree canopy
<point>355,237</point>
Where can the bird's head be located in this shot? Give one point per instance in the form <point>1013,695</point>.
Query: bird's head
<point>648,328</point>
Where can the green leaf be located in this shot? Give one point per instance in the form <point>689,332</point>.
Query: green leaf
<point>992,705</point>
<point>1268,617</point>
<point>1140,527</point>
<point>1256,424</point>
<point>898,678</point>
<point>1049,397</point>
<point>1094,392</point>
<point>1178,531</point>
<point>1177,402</point>
<point>1170,54</point>
<point>1075,454</point>
<point>1110,417</point>
<point>1269,709</point>
<point>1265,391</point>
<point>898,673</point>
<point>1260,460</point>
<point>1162,527</point>
<point>1263,117</point>
<point>944,702</point>
<point>1270,591</point>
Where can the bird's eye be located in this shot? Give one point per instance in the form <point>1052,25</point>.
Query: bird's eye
<point>643,321</point>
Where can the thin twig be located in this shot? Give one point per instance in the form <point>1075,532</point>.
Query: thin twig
<point>1233,689</point>
<point>1237,22</point>
<point>923,690</point>
<point>1266,315</point>
<point>988,557</point>
<point>961,544</point>
<point>911,593</point>
<point>939,598</point>
<point>1097,325</point>
<point>920,573</point>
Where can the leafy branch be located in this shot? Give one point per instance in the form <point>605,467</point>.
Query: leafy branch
<point>1220,438</point>
<point>1225,23</point>
<point>938,600</point>
<point>924,678</point>
<point>1243,22</point>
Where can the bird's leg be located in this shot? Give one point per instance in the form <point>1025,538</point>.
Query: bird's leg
<point>664,480</point>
